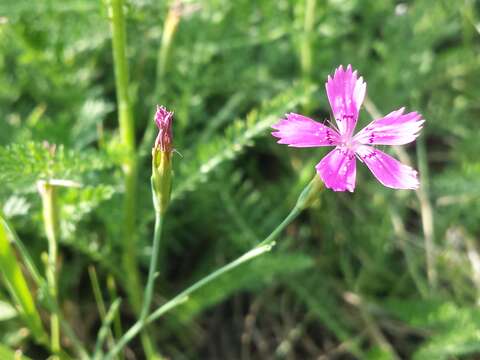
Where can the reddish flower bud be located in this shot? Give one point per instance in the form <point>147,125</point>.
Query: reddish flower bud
<point>163,119</point>
<point>161,160</point>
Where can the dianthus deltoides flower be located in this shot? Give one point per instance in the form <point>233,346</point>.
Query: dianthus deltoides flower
<point>338,168</point>
<point>162,159</point>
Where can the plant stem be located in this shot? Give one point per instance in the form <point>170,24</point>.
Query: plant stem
<point>264,246</point>
<point>50,221</point>
<point>127,135</point>
<point>306,60</point>
<point>427,213</point>
<point>306,47</point>
<point>147,299</point>
<point>402,235</point>
<point>97,294</point>
<point>117,323</point>
<point>105,328</point>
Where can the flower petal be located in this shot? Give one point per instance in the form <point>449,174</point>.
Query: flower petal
<point>395,128</point>
<point>300,131</point>
<point>337,169</point>
<point>389,171</point>
<point>345,93</point>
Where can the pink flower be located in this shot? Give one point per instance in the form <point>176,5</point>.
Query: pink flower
<point>163,119</point>
<point>338,168</point>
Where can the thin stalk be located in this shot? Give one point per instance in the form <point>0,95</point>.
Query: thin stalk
<point>129,165</point>
<point>306,46</point>
<point>105,328</point>
<point>306,53</point>
<point>97,293</point>
<point>50,222</point>
<point>402,235</point>
<point>264,246</point>
<point>117,322</point>
<point>427,213</point>
<point>147,299</point>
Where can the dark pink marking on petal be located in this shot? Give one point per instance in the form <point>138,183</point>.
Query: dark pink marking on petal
<point>345,93</point>
<point>300,131</point>
<point>338,169</point>
<point>389,171</point>
<point>395,128</point>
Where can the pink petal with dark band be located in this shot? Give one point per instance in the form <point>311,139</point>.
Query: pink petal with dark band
<point>338,169</point>
<point>345,93</point>
<point>395,128</point>
<point>389,171</point>
<point>301,131</point>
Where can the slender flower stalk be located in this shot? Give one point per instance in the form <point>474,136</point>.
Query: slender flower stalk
<point>307,196</point>
<point>306,53</point>
<point>427,215</point>
<point>129,166</point>
<point>161,183</point>
<point>51,224</point>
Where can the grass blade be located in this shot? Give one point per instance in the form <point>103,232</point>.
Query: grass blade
<point>18,288</point>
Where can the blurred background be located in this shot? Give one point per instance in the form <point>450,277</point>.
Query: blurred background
<point>374,274</point>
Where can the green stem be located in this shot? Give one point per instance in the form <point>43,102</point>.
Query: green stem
<point>427,213</point>
<point>147,300</point>
<point>306,47</point>
<point>306,55</point>
<point>105,328</point>
<point>117,323</point>
<point>264,246</point>
<point>127,135</point>
<point>403,236</point>
<point>97,294</point>
<point>50,221</point>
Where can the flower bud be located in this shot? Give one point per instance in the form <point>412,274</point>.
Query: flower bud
<point>161,160</point>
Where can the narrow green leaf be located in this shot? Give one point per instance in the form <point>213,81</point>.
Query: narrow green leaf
<point>18,288</point>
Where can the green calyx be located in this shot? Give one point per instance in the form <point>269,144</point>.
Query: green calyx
<point>161,179</point>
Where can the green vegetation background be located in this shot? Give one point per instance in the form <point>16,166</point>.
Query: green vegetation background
<point>348,278</point>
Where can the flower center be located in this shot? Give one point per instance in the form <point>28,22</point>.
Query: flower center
<point>348,142</point>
